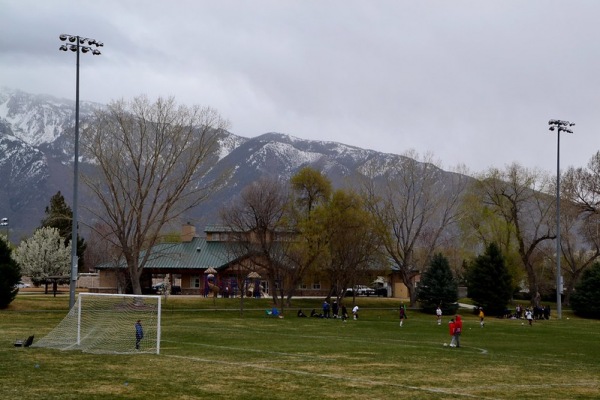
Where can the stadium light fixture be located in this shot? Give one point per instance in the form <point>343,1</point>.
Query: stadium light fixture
<point>559,126</point>
<point>4,222</point>
<point>79,45</point>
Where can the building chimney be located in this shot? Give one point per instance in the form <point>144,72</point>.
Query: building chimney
<point>188,233</point>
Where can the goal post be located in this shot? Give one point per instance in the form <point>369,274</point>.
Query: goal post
<point>108,323</point>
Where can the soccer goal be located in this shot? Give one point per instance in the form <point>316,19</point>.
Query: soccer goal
<point>108,323</point>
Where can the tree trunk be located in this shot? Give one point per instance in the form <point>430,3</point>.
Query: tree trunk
<point>532,282</point>
<point>135,275</point>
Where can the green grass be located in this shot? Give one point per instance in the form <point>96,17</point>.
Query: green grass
<point>209,351</point>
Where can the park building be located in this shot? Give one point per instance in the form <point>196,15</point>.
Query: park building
<point>205,265</point>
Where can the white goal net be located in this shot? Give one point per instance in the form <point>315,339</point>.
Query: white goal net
<point>108,323</point>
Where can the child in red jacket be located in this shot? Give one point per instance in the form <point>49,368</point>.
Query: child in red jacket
<point>452,326</point>
<point>457,330</point>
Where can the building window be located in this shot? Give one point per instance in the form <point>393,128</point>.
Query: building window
<point>195,282</point>
<point>316,286</point>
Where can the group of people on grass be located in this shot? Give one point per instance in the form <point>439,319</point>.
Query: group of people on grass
<point>455,324</point>
<point>333,310</point>
<point>536,312</point>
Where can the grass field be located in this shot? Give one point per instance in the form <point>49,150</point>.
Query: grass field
<point>209,351</point>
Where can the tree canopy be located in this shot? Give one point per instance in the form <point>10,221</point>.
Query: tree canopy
<point>519,197</point>
<point>60,216</point>
<point>150,157</point>
<point>258,232</point>
<point>585,300</point>
<point>438,287</point>
<point>416,209</point>
<point>44,255</point>
<point>489,283</point>
<point>10,275</point>
<point>351,244</point>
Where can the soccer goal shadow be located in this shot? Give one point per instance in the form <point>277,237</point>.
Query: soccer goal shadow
<point>24,343</point>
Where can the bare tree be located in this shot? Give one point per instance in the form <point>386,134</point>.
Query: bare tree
<point>416,205</point>
<point>99,249</point>
<point>259,232</point>
<point>580,244</point>
<point>583,186</point>
<point>151,157</point>
<point>520,197</point>
<point>580,221</point>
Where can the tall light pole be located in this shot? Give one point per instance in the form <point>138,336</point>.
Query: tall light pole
<point>4,222</point>
<point>559,126</point>
<point>76,44</point>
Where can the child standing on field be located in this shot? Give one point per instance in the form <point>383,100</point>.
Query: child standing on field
<point>457,330</point>
<point>402,314</point>
<point>438,313</point>
<point>529,316</point>
<point>451,325</point>
<point>139,333</point>
<point>481,317</point>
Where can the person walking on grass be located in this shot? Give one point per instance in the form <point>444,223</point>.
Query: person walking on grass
<point>438,313</point>
<point>402,314</point>
<point>481,317</point>
<point>139,333</point>
<point>355,312</point>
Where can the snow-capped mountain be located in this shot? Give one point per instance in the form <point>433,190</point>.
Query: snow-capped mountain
<point>36,155</point>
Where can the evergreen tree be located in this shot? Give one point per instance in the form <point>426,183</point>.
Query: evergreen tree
<point>585,300</point>
<point>438,287</point>
<point>489,282</point>
<point>10,275</point>
<point>60,216</point>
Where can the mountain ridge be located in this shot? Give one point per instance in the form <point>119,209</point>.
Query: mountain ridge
<point>36,141</point>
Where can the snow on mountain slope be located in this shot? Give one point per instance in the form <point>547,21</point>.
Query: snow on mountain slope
<point>36,152</point>
<point>39,119</point>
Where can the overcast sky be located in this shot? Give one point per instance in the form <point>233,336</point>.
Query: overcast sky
<point>473,82</point>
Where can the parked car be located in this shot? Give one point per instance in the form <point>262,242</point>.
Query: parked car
<point>22,285</point>
<point>159,288</point>
<point>361,290</point>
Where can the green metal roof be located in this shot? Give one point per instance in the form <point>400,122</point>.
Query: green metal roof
<point>197,254</point>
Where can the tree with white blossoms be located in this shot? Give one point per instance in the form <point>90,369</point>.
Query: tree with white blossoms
<point>44,255</point>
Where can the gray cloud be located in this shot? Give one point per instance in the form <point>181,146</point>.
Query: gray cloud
<point>473,82</point>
